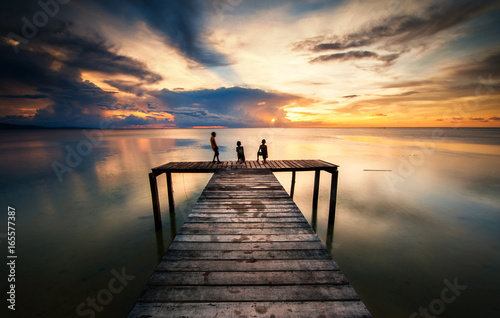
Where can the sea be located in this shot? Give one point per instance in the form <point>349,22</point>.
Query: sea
<point>417,228</point>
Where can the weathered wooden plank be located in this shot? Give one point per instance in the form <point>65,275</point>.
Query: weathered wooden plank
<point>247,255</point>
<point>248,293</point>
<point>275,165</point>
<point>248,220</point>
<point>279,277</point>
<point>254,225</point>
<point>293,164</point>
<point>196,165</point>
<point>326,309</point>
<point>242,209</point>
<point>255,265</point>
<point>239,196</point>
<point>247,238</point>
<point>249,203</point>
<point>281,164</point>
<point>244,182</point>
<point>255,214</point>
<point>208,229</point>
<point>268,191</point>
<point>242,246</point>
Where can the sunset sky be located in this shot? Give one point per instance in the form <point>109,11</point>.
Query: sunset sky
<point>250,63</point>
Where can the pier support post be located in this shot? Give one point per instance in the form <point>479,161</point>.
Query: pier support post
<point>316,190</point>
<point>171,204</point>
<point>315,199</point>
<point>156,200</point>
<point>333,204</point>
<point>292,188</point>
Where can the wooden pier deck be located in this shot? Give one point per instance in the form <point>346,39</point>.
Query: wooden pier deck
<point>273,165</point>
<point>246,250</point>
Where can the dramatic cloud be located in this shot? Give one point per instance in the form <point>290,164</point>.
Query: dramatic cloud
<point>485,68</point>
<point>35,96</point>
<point>92,53</point>
<point>50,68</point>
<point>181,23</point>
<point>355,55</point>
<point>168,63</point>
<point>230,107</point>
<point>127,86</point>
<point>396,31</point>
<point>401,29</point>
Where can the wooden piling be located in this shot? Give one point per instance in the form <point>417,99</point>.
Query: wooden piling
<point>332,208</point>
<point>316,189</point>
<point>170,191</point>
<point>156,200</point>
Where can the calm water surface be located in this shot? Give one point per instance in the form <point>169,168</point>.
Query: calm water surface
<point>418,209</point>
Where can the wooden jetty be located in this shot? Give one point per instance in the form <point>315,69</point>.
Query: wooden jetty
<point>246,250</point>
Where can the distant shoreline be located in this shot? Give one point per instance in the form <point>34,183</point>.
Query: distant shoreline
<point>4,126</point>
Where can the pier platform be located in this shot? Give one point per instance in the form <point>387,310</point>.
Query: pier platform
<point>246,250</point>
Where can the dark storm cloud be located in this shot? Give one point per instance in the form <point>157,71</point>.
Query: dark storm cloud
<point>351,55</point>
<point>355,55</point>
<point>119,106</point>
<point>25,96</point>
<point>397,31</point>
<point>127,87</point>
<point>220,100</point>
<point>486,67</point>
<point>231,107</point>
<point>77,105</point>
<point>93,53</point>
<point>49,67</point>
<point>69,100</point>
<point>193,116</point>
<point>404,28</point>
<point>181,23</point>
<point>132,120</point>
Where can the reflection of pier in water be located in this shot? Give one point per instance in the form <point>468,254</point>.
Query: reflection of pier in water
<point>246,248</point>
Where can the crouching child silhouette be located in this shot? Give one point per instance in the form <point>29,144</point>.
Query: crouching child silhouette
<point>240,152</point>
<point>262,151</point>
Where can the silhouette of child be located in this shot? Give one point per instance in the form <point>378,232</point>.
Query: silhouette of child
<point>215,147</point>
<point>240,151</point>
<point>262,151</point>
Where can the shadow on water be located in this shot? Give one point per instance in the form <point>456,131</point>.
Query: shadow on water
<point>160,241</point>
<point>160,245</point>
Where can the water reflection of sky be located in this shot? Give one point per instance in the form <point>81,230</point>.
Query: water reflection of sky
<point>435,215</point>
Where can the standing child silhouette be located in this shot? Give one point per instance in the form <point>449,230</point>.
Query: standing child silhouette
<point>215,147</point>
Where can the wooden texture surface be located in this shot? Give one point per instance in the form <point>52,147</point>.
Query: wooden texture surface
<point>246,250</point>
<point>273,165</point>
